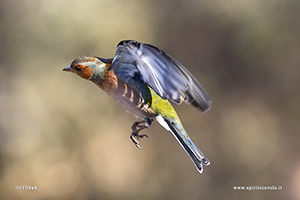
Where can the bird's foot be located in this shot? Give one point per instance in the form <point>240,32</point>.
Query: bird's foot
<point>136,128</point>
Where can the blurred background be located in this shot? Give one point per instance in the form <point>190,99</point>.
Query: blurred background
<point>65,136</point>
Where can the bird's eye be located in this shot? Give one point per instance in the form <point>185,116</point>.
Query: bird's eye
<point>78,69</point>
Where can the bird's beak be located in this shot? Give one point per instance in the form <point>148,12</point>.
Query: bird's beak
<point>68,69</point>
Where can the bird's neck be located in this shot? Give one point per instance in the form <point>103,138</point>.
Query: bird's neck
<point>99,71</point>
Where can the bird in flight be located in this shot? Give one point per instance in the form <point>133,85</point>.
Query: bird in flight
<point>144,80</point>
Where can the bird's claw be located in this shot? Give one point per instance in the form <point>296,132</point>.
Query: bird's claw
<point>135,137</point>
<point>136,128</point>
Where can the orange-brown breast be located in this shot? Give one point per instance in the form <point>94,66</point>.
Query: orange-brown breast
<point>125,95</point>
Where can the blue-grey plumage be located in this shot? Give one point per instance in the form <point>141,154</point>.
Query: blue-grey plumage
<point>165,75</point>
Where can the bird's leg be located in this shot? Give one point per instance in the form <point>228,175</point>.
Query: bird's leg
<point>136,128</point>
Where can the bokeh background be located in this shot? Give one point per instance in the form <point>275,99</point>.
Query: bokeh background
<point>65,136</point>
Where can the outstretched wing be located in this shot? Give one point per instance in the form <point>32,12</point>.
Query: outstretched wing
<point>165,75</point>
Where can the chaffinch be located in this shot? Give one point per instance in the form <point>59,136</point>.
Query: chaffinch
<point>144,80</point>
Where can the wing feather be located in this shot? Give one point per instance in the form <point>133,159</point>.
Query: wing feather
<point>165,75</point>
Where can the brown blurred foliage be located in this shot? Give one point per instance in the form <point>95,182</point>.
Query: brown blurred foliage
<point>66,137</point>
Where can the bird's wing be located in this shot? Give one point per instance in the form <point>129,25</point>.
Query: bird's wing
<point>165,75</point>
<point>128,74</point>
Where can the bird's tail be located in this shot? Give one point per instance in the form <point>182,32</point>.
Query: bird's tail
<point>176,128</point>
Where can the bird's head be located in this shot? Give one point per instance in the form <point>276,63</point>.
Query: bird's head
<point>89,67</point>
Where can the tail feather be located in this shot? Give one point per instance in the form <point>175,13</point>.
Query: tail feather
<point>188,145</point>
